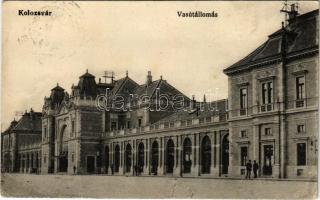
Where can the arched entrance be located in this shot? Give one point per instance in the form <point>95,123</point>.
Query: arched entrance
<point>63,157</point>
<point>169,156</point>
<point>205,155</point>
<point>140,157</point>
<point>154,157</point>
<point>106,162</point>
<point>187,153</point>
<point>116,158</point>
<point>225,154</point>
<point>128,157</point>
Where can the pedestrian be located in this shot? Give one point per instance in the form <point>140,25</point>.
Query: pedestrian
<point>249,168</point>
<point>74,169</point>
<point>136,170</point>
<point>112,168</point>
<point>255,168</point>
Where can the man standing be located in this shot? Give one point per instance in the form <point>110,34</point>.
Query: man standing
<point>249,168</point>
<point>255,168</point>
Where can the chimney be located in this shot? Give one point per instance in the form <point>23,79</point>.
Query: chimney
<point>193,102</point>
<point>293,13</point>
<point>149,78</point>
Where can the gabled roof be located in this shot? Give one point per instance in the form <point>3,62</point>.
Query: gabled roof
<point>29,122</point>
<point>148,89</point>
<point>124,86</point>
<point>301,36</point>
<point>163,85</point>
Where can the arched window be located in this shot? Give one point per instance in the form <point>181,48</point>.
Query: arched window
<point>187,155</point>
<point>116,158</point>
<point>106,162</point>
<point>128,157</point>
<point>169,156</point>
<point>140,157</point>
<point>154,157</point>
<point>225,154</point>
<point>205,155</point>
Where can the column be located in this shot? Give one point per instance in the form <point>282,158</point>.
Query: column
<point>177,154</point>
<point>121,168</point>
<point>29,163</point>
<point>146,163</point>
<point>218,151</point>
<point>215,169</point>
<point>133,156</point>
<point>21,167</point>
<point>111,158</point>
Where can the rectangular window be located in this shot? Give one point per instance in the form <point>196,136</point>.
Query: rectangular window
<point>128,124</point>
<point>171,124</point>
<point>183,123</point>
<point>73,127</point>
<point>201,120</point>
<point>189,122</point>
<point>301,154</point>
<point>267,131</point>
<point>113,126</point>
<point>243,134</point>
<point>45,132</point>
<point>72,157</point>
<point>244,155</point>
<point>300,128</point>
<point>243,98</point>
<point>267,92</point>
<point>300,93</point>
<point>166,125</point>
<point>139,122</point>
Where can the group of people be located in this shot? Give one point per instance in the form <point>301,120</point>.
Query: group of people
<point>250,167</point>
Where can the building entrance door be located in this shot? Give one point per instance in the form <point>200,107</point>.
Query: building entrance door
<point>128,158</point>
<point>170,157</point>
<point>90,164</point>
<point>140,157</point>
<point>225,154</point>
<point>267,159</point>
<point>187,152</point>
<point>154,157</point>
<point>63,163</point>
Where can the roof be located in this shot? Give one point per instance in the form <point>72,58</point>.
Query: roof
<point>12,125</point>
<point>87,85</point>
<point>205,111</point>
<point>29,122</point>
<point>57,88</point>
<point>301,36</point>
<point>87,74</point>
<point>148,89</point>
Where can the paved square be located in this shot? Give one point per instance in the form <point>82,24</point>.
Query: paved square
<point>98,186</point>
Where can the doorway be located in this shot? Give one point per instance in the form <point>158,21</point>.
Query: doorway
<point>267,160</point>
<point>140,157</point>
<point>90,164</point>
<point>187,153</point>
<point>205,155</point>
<point>154,157</point>
<point>170,157</point>
<point>128,157</point>
<point>225,154</point>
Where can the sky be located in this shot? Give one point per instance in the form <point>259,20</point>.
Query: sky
<point>190,53</point>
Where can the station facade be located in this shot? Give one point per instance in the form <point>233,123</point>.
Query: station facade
<point>270,116</point>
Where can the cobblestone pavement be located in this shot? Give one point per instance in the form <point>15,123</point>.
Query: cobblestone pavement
<point>98,186</point>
